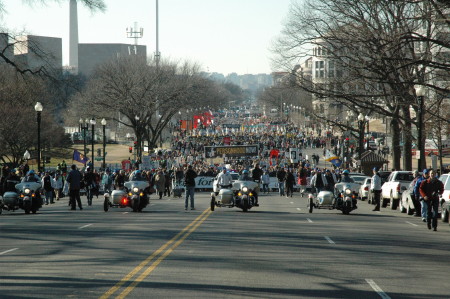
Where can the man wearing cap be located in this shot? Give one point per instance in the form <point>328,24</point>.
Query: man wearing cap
<point>423,204</point>
<point>375,187</point>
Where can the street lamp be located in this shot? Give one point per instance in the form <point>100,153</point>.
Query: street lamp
<point>93,122</point>
<point>138,145</point>
<point>361,120</point>
<point>104,143</point>
<point>420,92</point>
<point>38,108</point>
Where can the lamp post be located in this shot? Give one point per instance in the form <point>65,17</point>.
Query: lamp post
<point>93,122</point>
<point>361,121</point>
<point>138,141</point>
<point>368,137</point>
<point>104,143</point>
<point>85,127</point>
<point>420,92</point>
<point>38,108</point>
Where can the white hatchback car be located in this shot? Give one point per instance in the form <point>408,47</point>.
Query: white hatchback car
<point>363,192</point>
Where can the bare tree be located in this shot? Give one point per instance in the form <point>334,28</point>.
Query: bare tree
<point>374,61</point>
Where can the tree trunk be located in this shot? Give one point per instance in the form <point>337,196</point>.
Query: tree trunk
<point>407,140</point>
<point>396,151</point>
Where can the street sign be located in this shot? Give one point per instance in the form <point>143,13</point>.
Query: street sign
<point>98,158</point>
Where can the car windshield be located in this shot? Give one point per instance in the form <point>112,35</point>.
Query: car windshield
<point>235,176</point>
<point>405,177</point>
<point>347,179</point>
<point>358,179</point>
<point>136,177</point>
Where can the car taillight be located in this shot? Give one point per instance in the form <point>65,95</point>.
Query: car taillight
<point>124,201</point>
<point>366,188</point>
<point>398,188</point>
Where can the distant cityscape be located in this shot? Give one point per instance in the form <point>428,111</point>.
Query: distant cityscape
<point>249,82</point>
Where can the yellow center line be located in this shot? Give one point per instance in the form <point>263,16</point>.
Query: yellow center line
<point>138,268</point>
<point>160,259</point>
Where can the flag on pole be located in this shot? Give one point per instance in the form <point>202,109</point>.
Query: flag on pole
<point>79,157</point>
<point>333,159</point>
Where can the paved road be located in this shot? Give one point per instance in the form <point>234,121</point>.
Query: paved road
<point>278,250</point>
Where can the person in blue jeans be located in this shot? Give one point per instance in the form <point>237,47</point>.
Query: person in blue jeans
<point>423,203</point>
<point>189,182</point>
<point>281,176</point>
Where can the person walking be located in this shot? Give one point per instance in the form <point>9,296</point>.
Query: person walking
<point>47,185</point>
<point>107,181</point>
<point>375,188</point>
<point>281,176</point>
<point>74,179</point>
<point>160,183</point>
<point>290,182</point>
<point>57,185</point>
<point>265,179</point>
<point>430,189</point>
<point>189,182</point>
<point>416,192</point>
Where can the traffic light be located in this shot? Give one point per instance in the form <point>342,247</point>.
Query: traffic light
<point>130,149</point>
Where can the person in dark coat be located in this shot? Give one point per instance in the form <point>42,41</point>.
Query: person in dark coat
<point>189,182</point>
<point>74,178</point>
<point>290,182</point>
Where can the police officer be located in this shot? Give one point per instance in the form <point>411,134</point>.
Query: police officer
<point>375,188</point>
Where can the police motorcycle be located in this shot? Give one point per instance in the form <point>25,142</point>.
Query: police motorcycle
<point>242,194</point>
<point>133,196</point>
<point>27,197</point>
<point>344,197</point>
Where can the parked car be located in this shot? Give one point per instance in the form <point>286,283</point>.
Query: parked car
<point>392,189</point>
<point>445,197</point>
<point>364,189</point>
<point>408,203</point>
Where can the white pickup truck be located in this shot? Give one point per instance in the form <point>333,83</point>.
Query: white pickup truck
<point>392,189</point>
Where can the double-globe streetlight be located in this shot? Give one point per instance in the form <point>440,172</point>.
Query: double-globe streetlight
<point>38,108</point>
<point>84,126</point>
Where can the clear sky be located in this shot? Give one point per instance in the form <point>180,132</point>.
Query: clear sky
<point>221,35</point>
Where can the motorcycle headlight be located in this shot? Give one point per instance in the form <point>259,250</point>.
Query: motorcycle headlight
<point>244,189</point>
<point>135,190</point>
<point>348,191</point>
<point>27,191</point>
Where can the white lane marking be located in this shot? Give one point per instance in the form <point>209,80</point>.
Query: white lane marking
<point>4,252</point>
<point>84,226</point>
<point>411,223</point>
<point>377,289</point>
<point>292,202</point>
<point>309,220</point>
<point>329,240</point>
<point>125,212</point>
<point>299,209</point>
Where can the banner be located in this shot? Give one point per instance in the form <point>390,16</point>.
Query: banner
<point>231,151</point>
<point>293,154</point>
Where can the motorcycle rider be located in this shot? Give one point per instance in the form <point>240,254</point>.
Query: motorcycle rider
<point>89,181</point>
<point>31,177</point>
<point>224,179</point>
<point>346,177</point>
<point>246,177</point>
<point>11,180</point>
<point>317,181</point>
<point>329,181</point>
